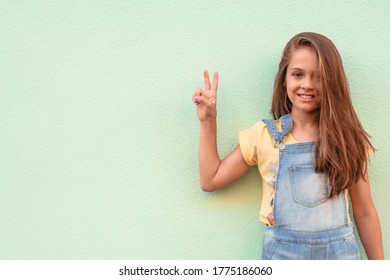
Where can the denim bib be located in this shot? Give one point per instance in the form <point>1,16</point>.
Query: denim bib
<point>308,224</point>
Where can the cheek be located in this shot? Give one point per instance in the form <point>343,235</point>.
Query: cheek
<point>289,95</point>
<point>290,88</point>
<point>291,85</point>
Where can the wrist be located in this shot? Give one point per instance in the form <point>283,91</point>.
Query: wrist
<point>208,123</point>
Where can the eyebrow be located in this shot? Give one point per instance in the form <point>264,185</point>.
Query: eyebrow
<point>296,68</point>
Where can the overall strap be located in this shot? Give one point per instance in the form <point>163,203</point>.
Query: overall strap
<point>286,124</point>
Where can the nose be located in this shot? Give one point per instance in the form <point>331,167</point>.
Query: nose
<point>307,83</point>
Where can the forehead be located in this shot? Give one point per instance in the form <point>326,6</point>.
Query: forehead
<point>304,59</point>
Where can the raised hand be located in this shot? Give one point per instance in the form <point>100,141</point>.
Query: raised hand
<point>205,99</point>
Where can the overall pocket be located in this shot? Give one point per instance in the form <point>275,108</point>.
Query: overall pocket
<point>308,187</point>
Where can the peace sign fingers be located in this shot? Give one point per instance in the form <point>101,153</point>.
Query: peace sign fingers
<point>205,99</point>
<point>206,80</point>
<point>214,87</point>
<point>207,85</point>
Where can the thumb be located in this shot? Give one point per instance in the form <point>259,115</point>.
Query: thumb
<point>202,100</point>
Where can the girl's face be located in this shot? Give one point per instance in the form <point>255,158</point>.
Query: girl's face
<point>302,80</point>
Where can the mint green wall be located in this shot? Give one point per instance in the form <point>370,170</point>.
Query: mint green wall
<point>99,136</point>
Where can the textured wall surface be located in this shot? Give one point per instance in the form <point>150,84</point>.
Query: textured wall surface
<point>99,136</point>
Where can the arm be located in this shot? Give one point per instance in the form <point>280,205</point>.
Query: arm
<point>366,219</point>
<point>214,173</point>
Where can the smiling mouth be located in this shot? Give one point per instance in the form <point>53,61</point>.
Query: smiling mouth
<point>306,96</point>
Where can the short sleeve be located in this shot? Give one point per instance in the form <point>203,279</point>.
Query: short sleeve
<point>248,140</point>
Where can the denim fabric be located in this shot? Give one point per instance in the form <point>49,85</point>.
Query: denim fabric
<point>308,224</point>
<point>337,244</point>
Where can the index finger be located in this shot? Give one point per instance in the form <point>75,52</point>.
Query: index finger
<point>206,80</point>
<point>215,82</point>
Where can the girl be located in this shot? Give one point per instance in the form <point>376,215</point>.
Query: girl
<point>310,157</point>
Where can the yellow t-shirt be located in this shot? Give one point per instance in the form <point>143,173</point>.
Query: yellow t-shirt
<point>257,147</point>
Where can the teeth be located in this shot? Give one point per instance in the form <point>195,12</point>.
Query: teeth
<point>306,96</point>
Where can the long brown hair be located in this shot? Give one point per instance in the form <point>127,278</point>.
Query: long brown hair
<point>342,143</point>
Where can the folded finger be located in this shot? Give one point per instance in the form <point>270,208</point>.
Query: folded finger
<point>271,218</point>
<point>202,100</point>
<point>198,92</point>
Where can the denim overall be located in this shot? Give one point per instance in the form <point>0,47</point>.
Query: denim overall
<point>308,225</point>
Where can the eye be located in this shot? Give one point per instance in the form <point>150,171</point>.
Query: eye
<point>297,75</point>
